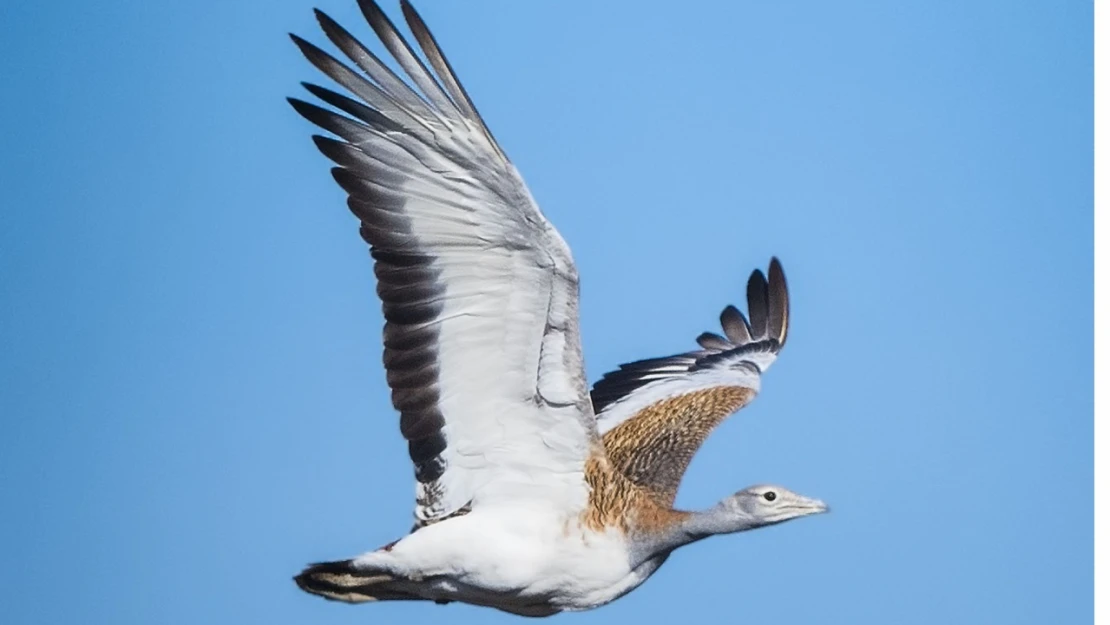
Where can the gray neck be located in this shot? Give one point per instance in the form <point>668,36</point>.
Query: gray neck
<point>719,519</point>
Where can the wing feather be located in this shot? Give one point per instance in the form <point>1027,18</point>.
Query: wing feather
<point>735,326</point>
<point>443,68</point>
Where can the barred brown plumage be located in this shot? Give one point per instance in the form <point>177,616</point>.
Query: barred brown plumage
<point>654,447</point>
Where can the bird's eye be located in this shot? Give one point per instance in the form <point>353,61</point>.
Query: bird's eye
<point>769,495</point>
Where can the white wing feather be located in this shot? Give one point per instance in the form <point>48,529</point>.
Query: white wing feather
<point>479,291</point>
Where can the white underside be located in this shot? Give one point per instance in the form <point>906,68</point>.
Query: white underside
<point>526,558</point>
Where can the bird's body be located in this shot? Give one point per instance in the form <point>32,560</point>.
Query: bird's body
<point>534,494</point>
<point>531,555</point>
<point>528,558</point>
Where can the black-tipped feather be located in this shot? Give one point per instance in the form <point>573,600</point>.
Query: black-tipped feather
<point>406,57</point>
<point>735,325</point>
<point>346,77</point>
<point>778,302</point>
<point>404,99</point>
<point>336,124</point>
<point>354,108</point>
<point>712,341</point>
<point>757,304</point>
<point>445,72</point>
<point>766,333</point>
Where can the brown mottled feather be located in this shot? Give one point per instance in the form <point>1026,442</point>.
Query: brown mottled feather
<point>615,501</point>
<point>654,447</point>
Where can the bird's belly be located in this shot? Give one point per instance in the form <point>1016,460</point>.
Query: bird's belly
<point>534,566</point>
<point>588,570</point>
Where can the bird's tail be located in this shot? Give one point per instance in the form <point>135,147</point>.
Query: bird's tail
<point>340,581</point>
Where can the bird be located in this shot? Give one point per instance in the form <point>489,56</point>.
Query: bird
<point>535,493</point>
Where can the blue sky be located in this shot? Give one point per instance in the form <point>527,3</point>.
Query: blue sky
<point>190,383</point>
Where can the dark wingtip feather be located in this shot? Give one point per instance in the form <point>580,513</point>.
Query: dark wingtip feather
<point>322,117</point>
<point>735,325</point>
<point>778,302</point>
<point>757,304</point>
<point>334,150</point>
<point>338,35</point>
<point>330,27</point>
<point>403,53</point>
<point>300,42</point>
<point>306,109</point>
<point>353,108</point>
<point>714,342</point>
<point>319,59</point>
<point>409,11</point>
<point>369,7</point>
<point>445,73</point>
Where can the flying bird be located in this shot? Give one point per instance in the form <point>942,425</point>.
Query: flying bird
<point>534,495</point>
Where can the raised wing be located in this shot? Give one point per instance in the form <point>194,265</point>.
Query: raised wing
<point>479,292</point>
<point>654,414</point>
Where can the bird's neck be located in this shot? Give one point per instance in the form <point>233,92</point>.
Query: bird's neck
<point>695,526</point>
<point>716,520</point>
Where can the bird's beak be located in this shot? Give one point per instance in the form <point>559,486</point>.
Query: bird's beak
<point>813,506</point>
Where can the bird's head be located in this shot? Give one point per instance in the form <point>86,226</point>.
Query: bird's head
<point>766,504</point>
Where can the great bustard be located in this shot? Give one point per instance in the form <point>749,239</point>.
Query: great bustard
<point>532,496</point>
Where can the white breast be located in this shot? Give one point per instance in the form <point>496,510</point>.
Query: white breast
<point>527,558</point>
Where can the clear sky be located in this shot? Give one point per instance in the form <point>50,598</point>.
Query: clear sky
<point>191,387</point>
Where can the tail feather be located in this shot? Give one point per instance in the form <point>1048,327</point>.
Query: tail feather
<point>341,581</point>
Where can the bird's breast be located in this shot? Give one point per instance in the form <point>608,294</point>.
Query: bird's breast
<point>590,568</point>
